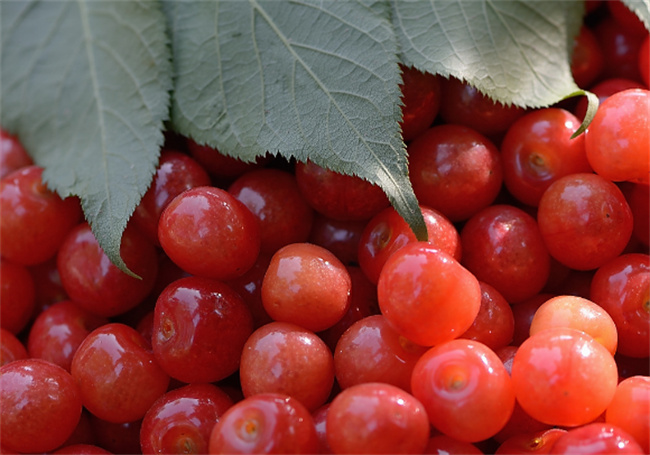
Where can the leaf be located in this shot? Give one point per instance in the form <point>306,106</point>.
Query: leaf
<point>85,85</point>
<point>305,79</point>
<point>515,51</point>
<point>642,10</point>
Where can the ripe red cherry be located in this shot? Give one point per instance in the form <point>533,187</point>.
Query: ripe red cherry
<point>503,247</point>
<point>117,374</point>
<point>181,420</point>
<point>11,348</point>
<point>339,196</point>
<point>465,389</point>
<point>563,377</point>
<point>307,285</point>
<point>265,423</point>
<point>280,357</point>
<point>421,100</point>
<point>374,417</point>
<point>176,173</point>
<point>208,232</point>
<point>426,295</point>
<point>13,155</point>
<point>41,406</point>
<point>455,170</point>
<point>16,296</point>
<point>584,220</point>
<point>617,141</point>
<point>35,220</point>
<point>596,438</point>
<point>94,283</point>
<point>538,149</point>
<point>199,329</point>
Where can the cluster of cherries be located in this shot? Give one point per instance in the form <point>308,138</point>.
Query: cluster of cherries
<point>280,307</point>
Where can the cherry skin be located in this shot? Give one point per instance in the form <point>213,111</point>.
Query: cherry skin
<point>578,313</point>
<point>57,332</point>
<point>341,237</point>
<point>207,232</point>
<point>603,90</point>
<point>587,59</point>
<point>41,405</point>
<point>426,295</point>
<point>371,351</point>
<point>463,104</point>
<point>17,296</point>
<point>375,417</point>
<point>630,408</point>
<point>81,449</point>
<point>596,438</point>
<point>622,288</point>
<point>265,423</point>
<point>273,196</point>
<point>584,220</point>
<point>11,348</point>
<point>176,172</point>
<point>421,93</point>
<point>617,141</point>
<point>284,358</point>
<point>13,155</point>
<point>199,329</point>
<point>117,374</point>
<point>307,285</point>
<point>567,366</point>
<point>96,284</point>
<point>222,167</point>
<point>538,149</point>
<point>620,47</point>
<point>35,220</point>
<point>494,325</point>
<point>465,389</point>
<point>387,232</point>
<point>502,246</point>
<point>339,196</point>
<point>454,170</point>
<point>539,442</point>
<point>444,445</point>
<point>644,61</point>
<point>181,420</point>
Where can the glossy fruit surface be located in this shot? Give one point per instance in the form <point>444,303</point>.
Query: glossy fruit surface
<point>567,366</point>
<point>40,405</point>
<point>584,220</point>
<point>622,288</point>
<point>181,420</point>
<point>374,417</point>
<point>503,247</point>
<point>284,358</point>
<point>306,284</point>
<point>465,389</point>
<point>35,220</point>
<point>617,141</point>
<point>265,423</point>
<point>455,170</point>
<point>11,348</point>
<point>17,296</point>
<point>596,438</point>
<point>13,155</point>
<point>208,232</point>
<point>538,149</point>
<point>117,374</point>
<point>95,283</point>
<point>421,100</point>
<point>426,295</point>
<point>630,408</point>
<point>199,329</point>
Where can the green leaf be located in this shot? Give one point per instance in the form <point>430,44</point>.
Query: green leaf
<point>515,51</point>
<point>307,79</point>
<point>85,85</point>
<point>642,10</point>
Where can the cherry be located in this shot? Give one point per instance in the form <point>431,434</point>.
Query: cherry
<point>117,374</point>
<point>421,92</point>
<point>11,348</point>
<point>16,296</point>
<point>630,408</point>
<point>596,438</point>
<point>199,329</point>
<point>13,155</point>
<point>426,295</point>
<point>587,59</point>
<point>265,423</point>
<point>465,389</point>
<point>181,420</point>
<point>306,284</point>
<point>281,357</point>
<point>35,220</point>
<point>208,232</point>
<point>41,405</point>
<point>374,417</point>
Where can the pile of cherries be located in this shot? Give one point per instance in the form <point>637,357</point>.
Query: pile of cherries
<point>280,307</point>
